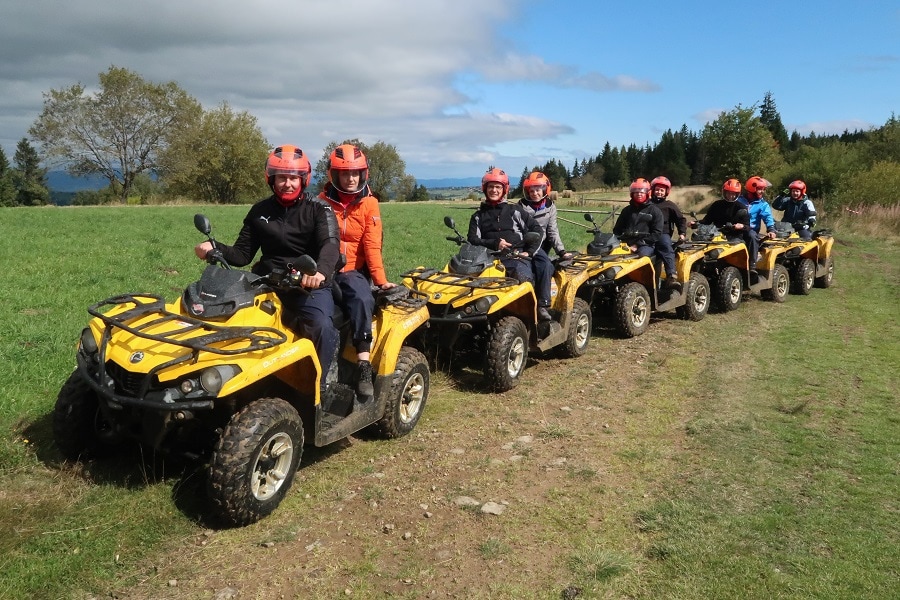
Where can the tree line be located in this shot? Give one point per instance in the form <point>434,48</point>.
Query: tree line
<point>148,139</point>
<point>858,167</point>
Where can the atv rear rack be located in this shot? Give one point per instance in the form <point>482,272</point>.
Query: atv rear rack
<point>256,338</point>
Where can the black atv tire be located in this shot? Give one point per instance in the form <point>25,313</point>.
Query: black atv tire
<point>781,285</point>
<point>79,427</point>
<point>632,310</point>
<point>697,298</point>
<point>407,395</point>
<point>580,327</point>
<point>728,290</point>
<point>803,277</point>
<point>827,279</point>
<point>255,460</point>
<point>507,354</point>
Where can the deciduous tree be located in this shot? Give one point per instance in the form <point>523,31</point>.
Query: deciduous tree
<point>738,145</point>
<point>116,132</point>
<point>218,157</point>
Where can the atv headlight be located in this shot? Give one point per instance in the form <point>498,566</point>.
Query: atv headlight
<point>484,303</point>
<point>88,344</point>
<point>611,273</point>
<point>213,378</point>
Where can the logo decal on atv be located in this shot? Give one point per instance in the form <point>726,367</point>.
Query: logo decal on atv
<point>136,357</point>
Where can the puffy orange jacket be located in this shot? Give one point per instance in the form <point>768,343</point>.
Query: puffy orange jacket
<point>359,222</point>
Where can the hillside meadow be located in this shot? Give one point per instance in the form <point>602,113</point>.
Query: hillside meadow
<point>753,454</point>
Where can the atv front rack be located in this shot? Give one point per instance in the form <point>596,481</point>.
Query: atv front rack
<point>216,336</point>
<point>436,277</point>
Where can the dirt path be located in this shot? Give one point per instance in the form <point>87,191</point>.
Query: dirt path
<point>563,459</point>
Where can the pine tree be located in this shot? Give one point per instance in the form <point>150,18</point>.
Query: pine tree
<point>771,120</point>
<point>7,190</point>
<point>29,177</point>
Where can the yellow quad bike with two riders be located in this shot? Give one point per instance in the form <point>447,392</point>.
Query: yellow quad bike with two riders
<point>808,263</point>
<point>478,316</point>
<point>216,374</point>
<point>625,285</point>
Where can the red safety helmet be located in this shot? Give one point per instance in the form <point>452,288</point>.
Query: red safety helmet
<point>662,182</point>
<point>288,160</point>
<point>731,185</point>
<point>537,180</point>
<point>495,175</point>
<point>348,157</point>
<point>640,185</point>
<point>798,184</point>
<point>756,186</point>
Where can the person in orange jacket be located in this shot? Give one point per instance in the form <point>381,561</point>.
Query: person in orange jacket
<point>359,222</point>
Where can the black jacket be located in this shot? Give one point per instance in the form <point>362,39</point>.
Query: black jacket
<point>493,222</point>
<point>672,217</point>
<point>722,212</point>
<point>634,220</point>
<point>306,227</point>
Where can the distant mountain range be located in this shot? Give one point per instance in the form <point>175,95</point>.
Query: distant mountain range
<point>60,181</point>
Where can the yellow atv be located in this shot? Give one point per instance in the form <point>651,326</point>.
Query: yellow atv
<point>217,374</point>
<point>793,264</point>
<point>725,263</point>
<point>627,288</point>
<point>824,259</point>
<point>480,317</point>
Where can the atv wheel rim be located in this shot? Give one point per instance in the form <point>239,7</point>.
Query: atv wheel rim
<point>639,312</point>
<point>808,278</point>
<point>701,299</point>
<point>272,466</point>
<point>782,284</point>
<point>516,357</point>
<point>582,330</point>
<point>735,292</point>
<point>413,395</point>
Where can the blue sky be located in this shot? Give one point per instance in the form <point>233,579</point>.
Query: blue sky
<point>458,85</point>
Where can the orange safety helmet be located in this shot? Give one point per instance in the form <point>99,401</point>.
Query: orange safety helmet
<point>288,160</point>
<point>731,185</point>
<point>348,157</point>
<point>662,182</point>
<point>495,175</point>
<point>637,186</point>
<point>537,180</point>
<point>756,185</point>
<point>798,184</point>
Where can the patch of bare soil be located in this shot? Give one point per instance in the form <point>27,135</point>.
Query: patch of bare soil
<point>490,497</point>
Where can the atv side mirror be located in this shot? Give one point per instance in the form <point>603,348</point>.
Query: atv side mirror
<point>202,224</point>
<point>449,222</point>
<point>645,217</point>
<point>743,213</point>
<point>306,264</point>
<point>532,238</point>
<point>589,217</point>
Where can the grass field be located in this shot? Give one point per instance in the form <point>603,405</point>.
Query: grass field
<point>751,455</point>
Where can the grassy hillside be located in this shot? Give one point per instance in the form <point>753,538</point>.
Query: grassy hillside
<point>751,455</point>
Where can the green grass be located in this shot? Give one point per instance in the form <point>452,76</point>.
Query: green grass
<point>753,455</point>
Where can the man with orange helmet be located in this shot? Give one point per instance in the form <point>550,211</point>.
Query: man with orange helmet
<point>798,208</point>
<point>288,224</point>
<point>500,225</point>
<point>640,225</point>
<point>359,221</point>
<point>728,211</point>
